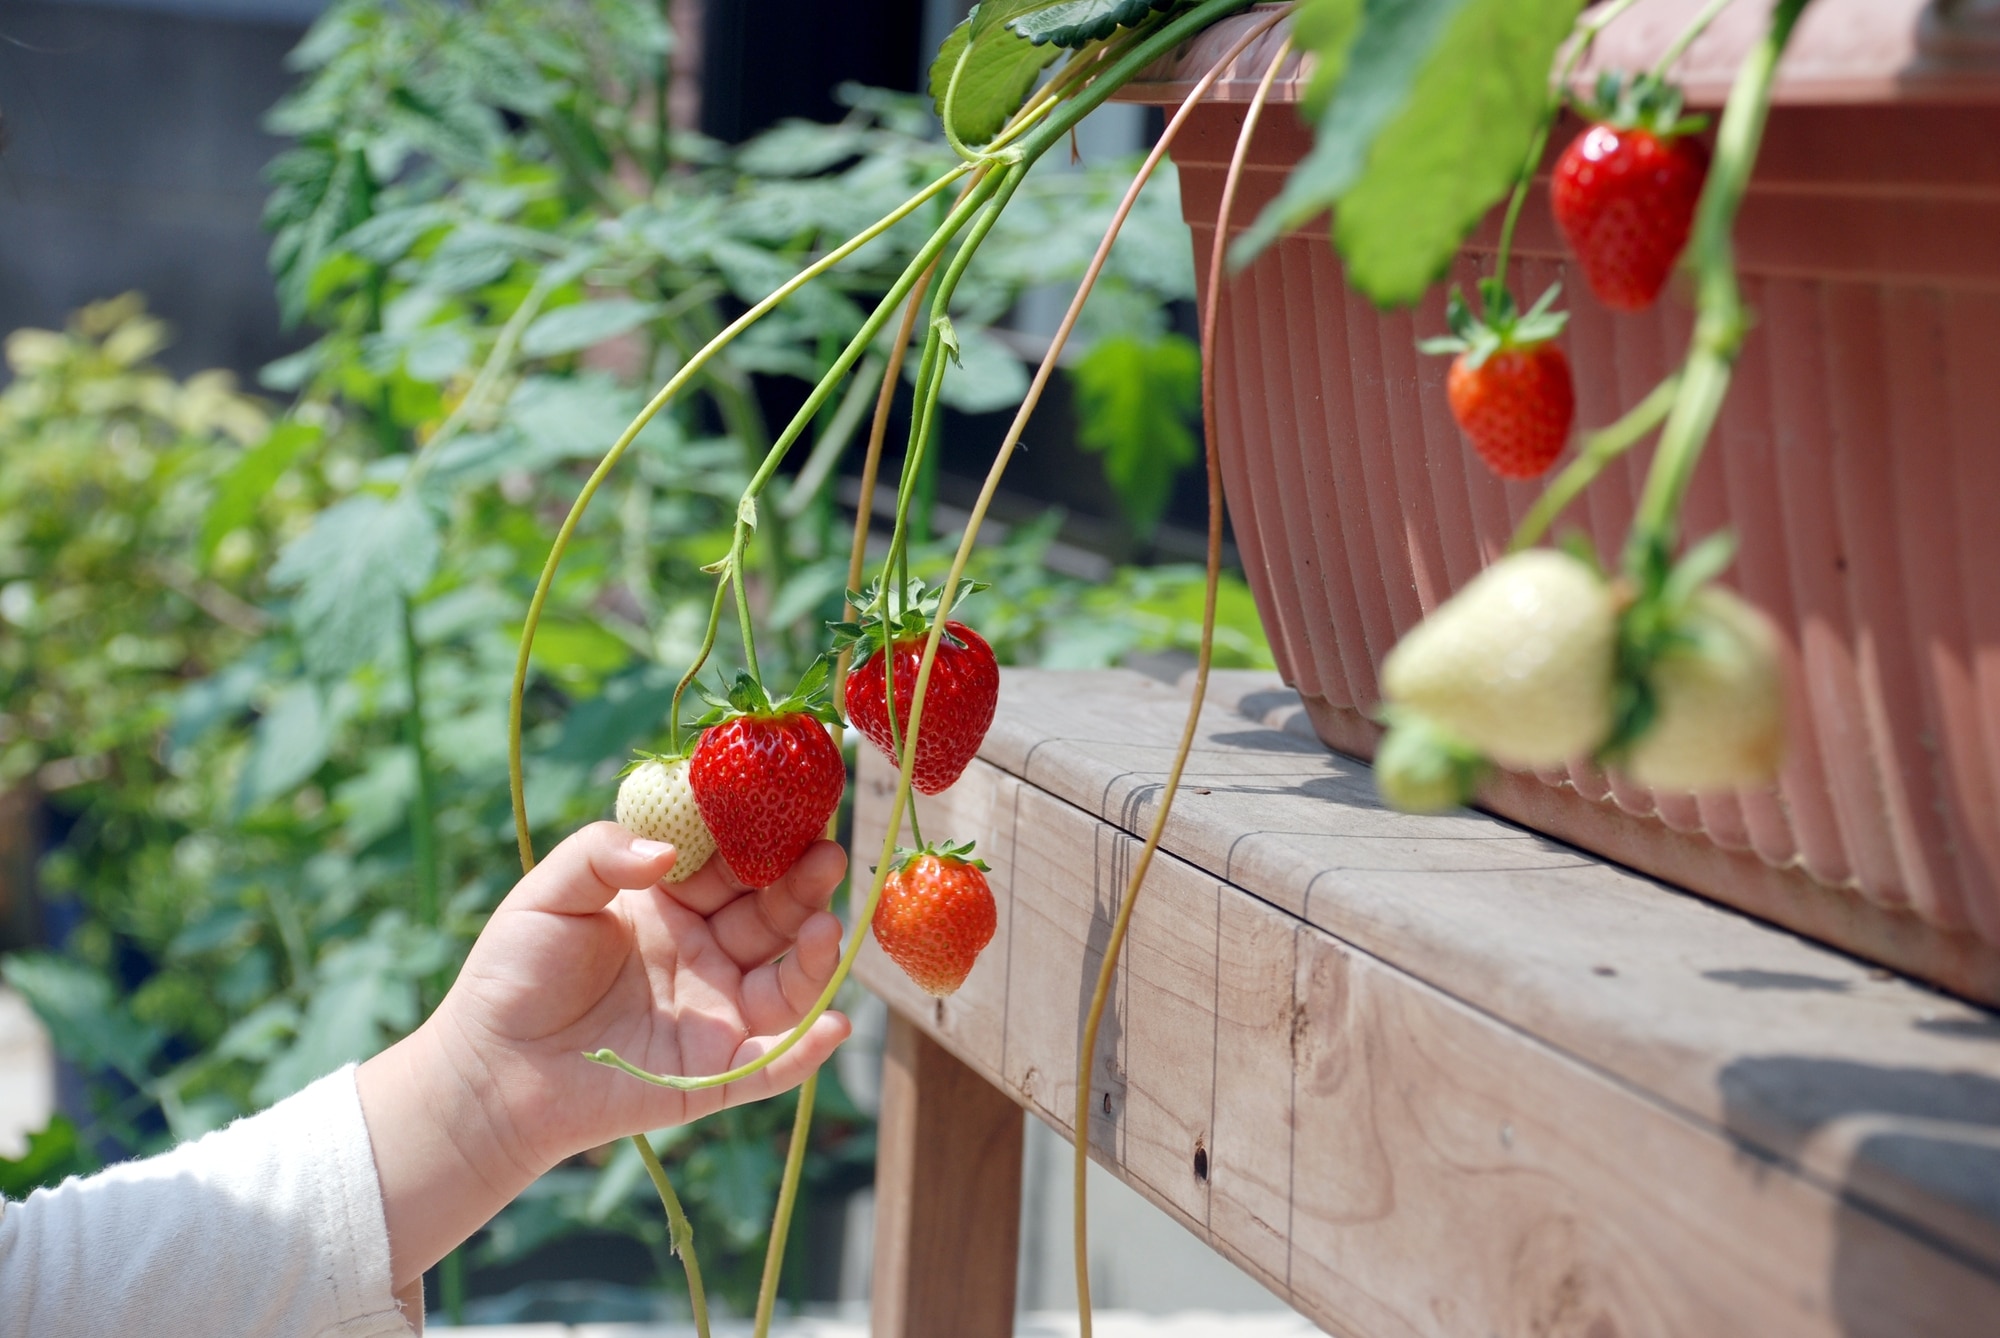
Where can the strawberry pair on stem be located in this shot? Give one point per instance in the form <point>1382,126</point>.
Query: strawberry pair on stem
<point>1624,195</point>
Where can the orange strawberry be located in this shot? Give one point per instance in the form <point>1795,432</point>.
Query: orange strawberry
<point>936,915</point>
<point>1509,385</point>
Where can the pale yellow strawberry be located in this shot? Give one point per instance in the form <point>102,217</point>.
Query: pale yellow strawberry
<point>1720,701</point>
<point>1518,664</point>
<point>656,802</point>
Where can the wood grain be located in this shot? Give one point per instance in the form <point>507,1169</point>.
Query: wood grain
<point>1442,1076</point>
<point>947,1196</point>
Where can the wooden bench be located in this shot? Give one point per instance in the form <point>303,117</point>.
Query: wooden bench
<point>1418,1075</point>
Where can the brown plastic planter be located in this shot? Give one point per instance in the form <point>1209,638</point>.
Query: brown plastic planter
<point>1858,460</point>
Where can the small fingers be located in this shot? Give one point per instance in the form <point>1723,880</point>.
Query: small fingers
<point>754,929</point>
<point>585,872</point>
<point>787,1070</point>
<point>709,889</point>
<point>777,995</point>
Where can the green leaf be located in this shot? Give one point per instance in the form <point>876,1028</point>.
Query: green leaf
<point>1072,23</point>
<point>239,492</point>
<point>1454,149</point>
<point>353,569</point>
<point>567,329</point>
<point>1326,29</point>
<point>291,742</point>
<point>997,76</point>
<point>319,194</point>
<point>54,1154</point>
<point>85,1018</point>
<point>1135,399</point>
<point>1425,132</point>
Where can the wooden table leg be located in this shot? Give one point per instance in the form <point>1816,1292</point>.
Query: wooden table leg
<point>947,1196</point>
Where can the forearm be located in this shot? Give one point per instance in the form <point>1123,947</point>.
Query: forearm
<point>272,1226</point>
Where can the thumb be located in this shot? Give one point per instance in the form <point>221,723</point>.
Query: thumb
<point>585,872</point>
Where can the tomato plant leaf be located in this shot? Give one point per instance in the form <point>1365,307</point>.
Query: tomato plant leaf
<point>1436,105</point>
<point>1134,399</point>
<point>240,491</point>
<point>998,73</point>
<point>291,742</point>
<point>1072,23</point>
<point>568,329</point>
<point>352,570</point>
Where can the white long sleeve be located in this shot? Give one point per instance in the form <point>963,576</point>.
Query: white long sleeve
<point>272,1226</point>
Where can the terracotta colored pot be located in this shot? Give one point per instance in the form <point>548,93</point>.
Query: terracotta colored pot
<point>1858,460</point>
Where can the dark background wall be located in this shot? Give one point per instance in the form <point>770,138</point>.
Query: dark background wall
<point>135,161</point>
<point>137,155</point>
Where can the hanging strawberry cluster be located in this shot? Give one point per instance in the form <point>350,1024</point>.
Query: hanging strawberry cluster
<point>1545,657</point>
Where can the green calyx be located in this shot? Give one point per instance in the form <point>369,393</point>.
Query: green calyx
<point>1502,326</point>
<point>1638,102</point>
<point>813,696</point>
<point>951,854</point>
<point>1652,625</point>
<point>1422,767</point>
<point>640,758</point>
<point>903,619</point>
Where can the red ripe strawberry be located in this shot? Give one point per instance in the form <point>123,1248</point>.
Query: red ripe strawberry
<point>767,778</point>
<point>1625,200</point>
<point>1625,191</point>
<point>1517,407</point>
<point>959,699</point>
<point>1509,385</point>
<point>936,916</point>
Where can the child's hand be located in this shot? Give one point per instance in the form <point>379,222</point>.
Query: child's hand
<point>493,1090</point>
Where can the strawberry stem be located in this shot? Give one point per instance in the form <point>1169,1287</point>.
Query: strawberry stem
<point>788,1195</point>
<point>1696,27</point>
<point>680,1232</point>
<point>1600,448</point>
<point>1212,577</point>
<point>1720,318</point>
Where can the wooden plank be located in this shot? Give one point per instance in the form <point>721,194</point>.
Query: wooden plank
<point>947,1196</point>
<point>1884,1089</point>
<point>1395,1159</point>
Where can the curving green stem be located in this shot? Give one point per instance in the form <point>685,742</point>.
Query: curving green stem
<point>788,1194</point>
<point>1600,448</point>
<point>1696,27</point>
<point>679,1230</point>
<point>1086,1056</point>
<point>1720,319</point>
<point>674,386</point>
<point>1050,131</point>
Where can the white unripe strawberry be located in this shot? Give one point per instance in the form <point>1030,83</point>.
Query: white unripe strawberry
<point>1519,663</point>
<point>1719,695</point>
<point>656,802</point>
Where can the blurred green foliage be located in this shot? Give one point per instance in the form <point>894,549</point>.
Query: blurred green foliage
<point>258,656</point>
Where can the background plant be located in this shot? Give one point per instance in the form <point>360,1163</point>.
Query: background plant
<point>277,725</point>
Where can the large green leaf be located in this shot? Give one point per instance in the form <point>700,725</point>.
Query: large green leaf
<point>1134,399</point>
<point>1072,23</point>
<point>53,1155</point>
<point>292,741</point>
<point>1426,131</point>
<point>998,73</point>
<point>567,329</point>
<point>240,491</point>
<point>353,569</point>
